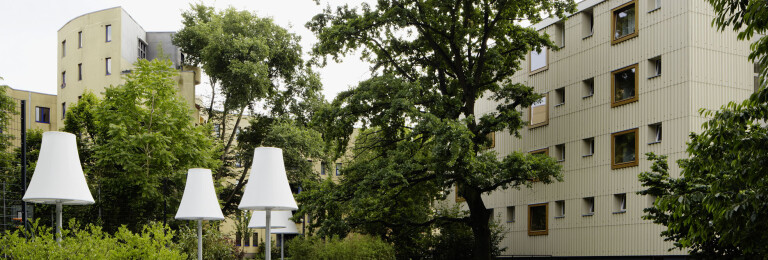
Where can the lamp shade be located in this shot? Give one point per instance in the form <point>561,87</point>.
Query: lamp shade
<point>267,187</point>
<point>290,229</point>
<point>199,201</point>
<point>58,176</point>
<point>280,219</point>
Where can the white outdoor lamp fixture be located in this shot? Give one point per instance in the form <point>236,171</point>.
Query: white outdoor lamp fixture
<point>199,202</point>
<point>58,177</point>
<point>282,221</point>
<point>268,188</point>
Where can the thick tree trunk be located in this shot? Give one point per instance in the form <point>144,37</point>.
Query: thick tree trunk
<point>479,219</point>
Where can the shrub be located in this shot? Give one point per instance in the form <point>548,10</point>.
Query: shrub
<point>353,247</point>
<point>154,242</point>
<point>215,244</point>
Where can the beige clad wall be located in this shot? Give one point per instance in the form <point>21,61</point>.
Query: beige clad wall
<point>702,68</point>
<point>33,100</point>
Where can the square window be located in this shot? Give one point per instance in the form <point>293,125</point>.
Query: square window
<point>539,60</point>
<point>624,86</point>
<point>654,67</point>
<point>624,22</point>
<point>511,214</point>
<point>587,23</point>
<point>108,64</point>
<point>42,115</point>
<point>624,149</point>
<point>588,87</point>
<point>537,219</point>
<point>560,209</point>
<point>653,5</point>
<point>538,112</point>
<point>560,96</point>
<point>80,39</point>
<point>620,203</point>
<point>560,152</point>
<point>589,206</point>
<point>589,147</point>
<point>338,169</point>
<point>108,31</point>
<point>654,133</point>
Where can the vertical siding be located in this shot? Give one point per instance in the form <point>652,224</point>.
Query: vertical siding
<point>701,68</point>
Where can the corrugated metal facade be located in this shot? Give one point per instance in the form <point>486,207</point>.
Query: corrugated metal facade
<point>702,68</point>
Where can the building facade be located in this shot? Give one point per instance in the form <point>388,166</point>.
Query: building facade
<point>607,100</point>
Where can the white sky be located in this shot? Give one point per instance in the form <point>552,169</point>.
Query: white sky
<point>28,29</point>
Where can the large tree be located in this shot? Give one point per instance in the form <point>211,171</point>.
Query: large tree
<point>717,207</point>
<point>433,62</point>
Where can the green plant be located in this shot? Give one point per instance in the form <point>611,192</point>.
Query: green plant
<point>353,247</point>
<point>215,244</point>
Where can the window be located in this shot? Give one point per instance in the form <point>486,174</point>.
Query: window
<point>654,133</point>
<point>63,79</point>
<point>247,239</point>
<point>650,199</point>
<point>560,152</point>
<point>255,239</point>
<point>624,149</point>
<point>758,69</point>
<point>42,115</point>
<point>624,22</point>
<point>459,198</point>
<point>63,110</point>
<point>108,64</point>
<point>510,214</point>
<point>80,71</point>
<point>80,39</point>
<point>654,67</point>
<point>624,86</point>
<point>560,209</point>
<point>491,139</point>
<point>108,31</point>
<point>560,96</point>
<point>537,219</point>
<point>238,161</point>
<point>538,112</point>
<point>653,5</point>
<point>63,48</point>
<point>238,238</point>
<point>560,34</point>
<point>589,206</point>
<point>619,203</point>
<point>539,60</point>
<point>338,169</point>
<point>323,165</point>
<point>544,151</point>
<point>588,88</point>
<point>217,130</point>
<point>490,215</point>
<point>587,23</point>
<point>589,147</point>
<point>142,49</point>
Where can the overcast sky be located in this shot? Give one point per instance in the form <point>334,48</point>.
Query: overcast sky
<point>28,29</point>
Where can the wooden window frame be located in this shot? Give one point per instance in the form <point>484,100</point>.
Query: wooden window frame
<point>546,220</point>
<point>615,165</point>
<point>459,199</point>
<point>613,23</point>
<point>530,62</point>
<point>530,115</point>
<point>615,103</point>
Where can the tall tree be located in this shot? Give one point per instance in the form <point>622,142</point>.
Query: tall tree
<point>718,206</point>
<point>141,142</point>
<point>433,62</point>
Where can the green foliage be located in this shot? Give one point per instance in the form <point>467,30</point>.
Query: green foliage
<point>433,61</point>
<point>215,244</point>
<point>356,247</point>
<point>7,111</point>
<point>91,242</point>
<point>748,19</point>
<point>136,146</point>
<point>451,240</point>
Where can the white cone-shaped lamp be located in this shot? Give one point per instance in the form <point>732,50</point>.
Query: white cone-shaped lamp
<point>58,177</point>
<point>268,188</point>
<point>199,202</point>
<point>280,219</point>
<point>289,229</point>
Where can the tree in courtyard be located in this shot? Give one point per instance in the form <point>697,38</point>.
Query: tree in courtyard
<point>251,60</point>
<point>137,145</point>
<point>433,61</point>
<point>717,207</point>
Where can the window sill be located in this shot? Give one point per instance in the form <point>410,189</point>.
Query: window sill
<point>620,212</point>
<point>588,36</point>
<point>511,221</point>
<point>587,155</point>
<point>654,76</point>
<point>656,142</point>
<point>587,96</point>
<point>561,160</point>
<point>654,9</point>
<point>588,215</point>
<point>561,104</point>
<point>42,122</point>
<point>558,217</point>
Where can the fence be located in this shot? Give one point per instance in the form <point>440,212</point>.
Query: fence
<point>13,179</point>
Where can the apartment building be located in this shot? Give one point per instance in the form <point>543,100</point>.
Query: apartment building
<point>628,79</point>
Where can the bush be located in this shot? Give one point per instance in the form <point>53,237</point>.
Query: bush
<point>354,247</point>
<point>215,244</point>
<point>154,242</point>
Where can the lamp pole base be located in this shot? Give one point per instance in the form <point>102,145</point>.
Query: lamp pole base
<point>58,223</point>
<point>268,244</point>
<point>199,239</point>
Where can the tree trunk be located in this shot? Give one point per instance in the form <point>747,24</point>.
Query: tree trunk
<point>479,218</point>
<point>213,95</point>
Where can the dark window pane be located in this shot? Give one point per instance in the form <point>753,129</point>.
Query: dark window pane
<point>625,21</point>
<point>539,218</point>
<point>625,148</point>
<point>624,85</point>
